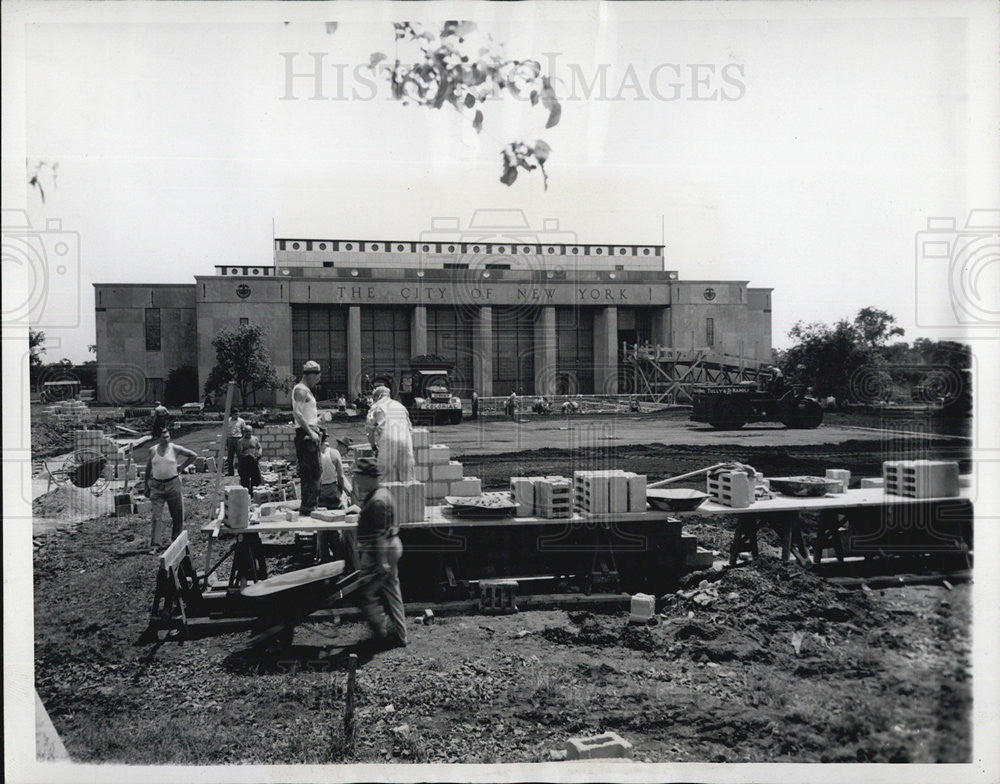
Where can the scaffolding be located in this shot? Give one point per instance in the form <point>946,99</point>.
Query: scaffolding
<point>669,375</point>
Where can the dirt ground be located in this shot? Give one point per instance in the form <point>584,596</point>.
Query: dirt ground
<point>763,662</point>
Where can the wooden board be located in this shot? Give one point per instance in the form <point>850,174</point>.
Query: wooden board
<point>296,579</point>
<point>852,499</point>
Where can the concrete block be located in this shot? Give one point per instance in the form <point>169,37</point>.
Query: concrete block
<point>523,490</point>
<point>869,483</point>
<point>446,471</point>
<point>617,492</point>
<point>841,475</point>
<point>636,491</point>
<point>606,746</point>
<point>422,473</point>
<point>420,456</point>
<point>436,490</point>
<point>700,559</point>
<point>416,498</point>
<point>467,486</point>
<point>421,438</point>
<point>643,608</point>
<point>438,454</point>
<point>498,596</point>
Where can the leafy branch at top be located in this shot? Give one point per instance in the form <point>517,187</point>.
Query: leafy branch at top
<point>464,68</point>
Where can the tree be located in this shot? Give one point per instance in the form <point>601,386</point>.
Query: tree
<point>875,326</point>
<point>828,358</point>
<point>241,356</point>
<point>464,68</point>
<point>36,347</point>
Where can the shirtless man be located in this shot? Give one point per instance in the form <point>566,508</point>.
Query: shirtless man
<point>307,436</point>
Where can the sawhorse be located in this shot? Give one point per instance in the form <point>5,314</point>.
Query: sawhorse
<point>787,525</point>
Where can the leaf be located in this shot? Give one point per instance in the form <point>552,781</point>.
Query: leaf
<point>477,122</point>
<point>534,97</point>
<point>550,102</point>
<point>376,58</point>
<point>542,151</point>
<point>470,100</point>
<point>509,175</point>
<point>331,28</point>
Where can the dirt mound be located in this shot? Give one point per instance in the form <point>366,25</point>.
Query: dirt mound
<point>48,441</point>
<point>764,610</point>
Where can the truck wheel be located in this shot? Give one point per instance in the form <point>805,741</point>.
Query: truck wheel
<point>807,415</point>
<point>732,416</point>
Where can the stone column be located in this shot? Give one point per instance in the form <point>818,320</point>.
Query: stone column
<point>482,351</point>
<point>418,331</point>
<point>606,351</point>
<point>545,351</point>
<point>661,326</point>
<point>354,350</point>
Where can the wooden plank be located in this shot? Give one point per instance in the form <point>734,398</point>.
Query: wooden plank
<point>853,499</point>
<point>173,555</point>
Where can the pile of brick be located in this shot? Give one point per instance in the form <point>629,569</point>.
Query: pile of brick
<point>95,441</point>
<point>608,492</point>
<point>441,475</point>
<point>67,413</point>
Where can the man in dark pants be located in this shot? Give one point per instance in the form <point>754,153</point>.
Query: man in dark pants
<point>234,432</point>
<point>475,405</point>
<point>379,550</point>
<point>307,436</point>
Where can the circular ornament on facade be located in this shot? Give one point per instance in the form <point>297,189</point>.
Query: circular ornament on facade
<point>709,293</point>
<point>243,291</point>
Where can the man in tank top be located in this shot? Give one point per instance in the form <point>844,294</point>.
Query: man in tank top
<point>163,484</point>
<point>307,436</point>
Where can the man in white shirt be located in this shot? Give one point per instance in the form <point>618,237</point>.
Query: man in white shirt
<point>234,432</point>
<point>307,436</point>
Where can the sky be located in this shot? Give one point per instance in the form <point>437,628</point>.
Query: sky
<point>800,147</point>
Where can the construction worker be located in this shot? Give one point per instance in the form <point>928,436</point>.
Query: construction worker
<point>475,405</point>
<point>307,436</point>
<point>234,432</point>
<point>248,454</point>
<point>390,433</point>
<point>163,484</point>
<point>160,414</point>
<point>379,551</point>
<point>331,480</point>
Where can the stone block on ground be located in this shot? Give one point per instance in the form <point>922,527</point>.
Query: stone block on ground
<point>449,471</point>
<point>606,746</point>
<point>421,438</point>
<point>438,454</point>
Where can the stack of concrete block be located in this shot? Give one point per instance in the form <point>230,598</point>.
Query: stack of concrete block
<point>277,441</point>
<point>841,475</point>
<point>95,441</point>
<point>552,496</point>
<point>921,478</point>
<point>441,475</point>
<point>67,413</point>
<point>609,492</point>
<point>237,506</point>
<point>408,500</point>
<point>354,451</point>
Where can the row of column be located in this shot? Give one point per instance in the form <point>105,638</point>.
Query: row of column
<point>605,357</point>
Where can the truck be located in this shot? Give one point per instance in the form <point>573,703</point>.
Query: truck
<point>730,406</point>
<point>425,390</point>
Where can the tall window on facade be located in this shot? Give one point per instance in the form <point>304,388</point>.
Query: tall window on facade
<point>449,335</point>
<point>244,322</point>
<point>574,351</point>
<point>710,332</point>
<point>319,332</point>
<point>385,340</point>
<point>152,329</point>
<point>513,351</point>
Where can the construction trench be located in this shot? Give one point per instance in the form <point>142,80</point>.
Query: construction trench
<point>712,625</point>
